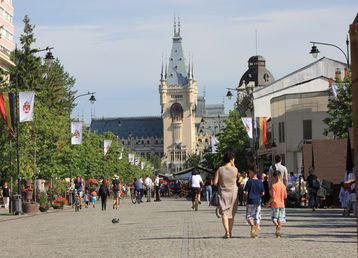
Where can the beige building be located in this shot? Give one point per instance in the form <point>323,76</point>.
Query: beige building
<point>297,119</point>
<point>178,99</point>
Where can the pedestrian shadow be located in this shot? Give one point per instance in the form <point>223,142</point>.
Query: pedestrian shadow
<point>317,236</point>
<point>184,238</point>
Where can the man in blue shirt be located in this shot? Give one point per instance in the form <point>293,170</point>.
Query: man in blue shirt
<point>253,191</point>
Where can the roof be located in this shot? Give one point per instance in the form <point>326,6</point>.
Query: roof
<point>319,155</point>
<point>141,127</point>
<point>176,74</point>
<point>304,68</point>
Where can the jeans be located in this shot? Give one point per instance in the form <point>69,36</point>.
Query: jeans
<point>208,193</point>
<point>149,194</point>
<point>104,202</point>
<point>312,202</point>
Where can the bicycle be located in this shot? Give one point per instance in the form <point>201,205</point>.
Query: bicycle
<point>135,196</point>
<point>196,199</point>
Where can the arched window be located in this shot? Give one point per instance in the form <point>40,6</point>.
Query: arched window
<point>176,111</point>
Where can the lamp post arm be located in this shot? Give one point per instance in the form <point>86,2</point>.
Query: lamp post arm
<point>81,95</point>
<point>332,45</point>
<point>43,49</point>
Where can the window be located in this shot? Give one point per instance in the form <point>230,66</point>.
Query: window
<point>281,132</point>
<point>283,159</point>
<point>307,129</point>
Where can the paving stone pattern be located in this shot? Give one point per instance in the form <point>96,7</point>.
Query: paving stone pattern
<point>170,228</point>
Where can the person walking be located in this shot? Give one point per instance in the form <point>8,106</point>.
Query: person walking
<point>6,195</point>
<point>139,188</point>
<point>149,186</point>
<point>277,202</point>
<point>313,185</point>
<point>254,190</point>
<point>115,188</point>
<point>196,182</point>
<point>208,190</point>
<point>279,167</point>
<point>156,188</point>
<point>225,178</point>
<point>103,193</point>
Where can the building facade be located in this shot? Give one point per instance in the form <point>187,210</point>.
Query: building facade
<point>178,99</point>
<point>142,135</point>
<point>296,105</point>
<point>6,34</point>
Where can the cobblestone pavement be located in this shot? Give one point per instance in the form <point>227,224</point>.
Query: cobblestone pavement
<point>172,229</point>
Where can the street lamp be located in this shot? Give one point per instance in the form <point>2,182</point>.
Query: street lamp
<point>48,59</point>
<point>314,50</point>
<point>248,89</point>
<point>92,100</point>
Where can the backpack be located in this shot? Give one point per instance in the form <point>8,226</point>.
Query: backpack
<point>315,184</point>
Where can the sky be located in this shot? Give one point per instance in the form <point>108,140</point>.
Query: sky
<point>115,47</point>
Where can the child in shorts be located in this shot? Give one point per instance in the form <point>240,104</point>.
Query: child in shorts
<point>86,198</point>
<point>94,198</point>
<point>277,202</point>
<point>253,191</point>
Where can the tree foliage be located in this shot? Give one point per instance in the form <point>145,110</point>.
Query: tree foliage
<point>340,109</point>
<point>45,142</point>
<point>234,138</point>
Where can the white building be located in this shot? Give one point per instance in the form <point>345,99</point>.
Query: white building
<point>297,105</point>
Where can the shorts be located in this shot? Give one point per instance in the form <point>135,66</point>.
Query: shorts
<point>115,194</point>
<point>279,214</point>
<point>253,212</point>
<point>94,199</point>
<point>80,194</point>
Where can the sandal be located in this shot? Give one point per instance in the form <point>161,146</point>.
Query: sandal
<point>226,236</point>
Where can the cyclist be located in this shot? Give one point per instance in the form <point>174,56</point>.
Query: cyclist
<point>196,182</point>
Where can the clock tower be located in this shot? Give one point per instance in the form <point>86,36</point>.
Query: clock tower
<point>178,99</point>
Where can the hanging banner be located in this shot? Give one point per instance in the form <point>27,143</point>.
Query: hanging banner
<point>131,158</point>
<point>76,133</point>
<point>247,121</point>
<point>106,146</point>
<point>26,106</point>
<point>261,131</point>
<point>214,143</point>
<point>7,109</point>
<point>136,161</point>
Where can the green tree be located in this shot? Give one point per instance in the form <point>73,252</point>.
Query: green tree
<point>234,138</point>
<point>340,109</point>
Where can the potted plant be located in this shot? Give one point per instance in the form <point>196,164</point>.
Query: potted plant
<point>43,202</point>
<point>60,202</point>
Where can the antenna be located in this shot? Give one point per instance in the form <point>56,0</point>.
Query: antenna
<point>256,40</point>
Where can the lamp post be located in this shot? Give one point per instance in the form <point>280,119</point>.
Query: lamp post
<point>92,100</point>
<point>315,51</point>
<point>48,60</point>
<point>249,90</point>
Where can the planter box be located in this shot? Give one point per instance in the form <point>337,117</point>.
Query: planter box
<point>29,207</point>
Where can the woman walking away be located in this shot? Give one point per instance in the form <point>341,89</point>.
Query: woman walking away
<point>103,193</point>
<point>226,178</point>
<point>208,191</point>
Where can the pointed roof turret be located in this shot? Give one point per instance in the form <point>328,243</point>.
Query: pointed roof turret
<point>176,71</point>
<point>162,75</point>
